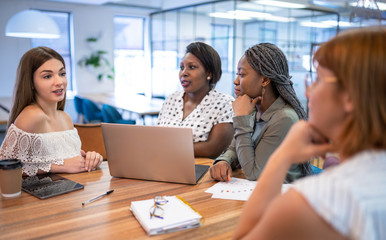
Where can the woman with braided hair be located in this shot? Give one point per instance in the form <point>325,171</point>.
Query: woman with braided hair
<point>265,108</point>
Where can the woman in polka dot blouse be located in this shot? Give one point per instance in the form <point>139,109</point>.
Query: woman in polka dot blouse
<point>199,106</point>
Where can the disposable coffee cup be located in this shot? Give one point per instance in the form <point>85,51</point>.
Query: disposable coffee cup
<point>10,177</point>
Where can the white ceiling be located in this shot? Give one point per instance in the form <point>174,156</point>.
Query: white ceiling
<point>149,4</point>
<point>158,5</point>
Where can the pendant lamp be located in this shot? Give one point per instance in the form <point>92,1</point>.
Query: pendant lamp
<point>32,24</point>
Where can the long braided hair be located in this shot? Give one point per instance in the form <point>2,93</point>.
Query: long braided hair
<point>268,60</point>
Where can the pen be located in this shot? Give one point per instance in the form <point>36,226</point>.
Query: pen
<point>97,197</point>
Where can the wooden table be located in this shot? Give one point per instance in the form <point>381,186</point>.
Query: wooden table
<point>63,217</point>
<point>134,103</point>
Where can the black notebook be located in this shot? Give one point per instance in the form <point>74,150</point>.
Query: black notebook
<point>49,185</point>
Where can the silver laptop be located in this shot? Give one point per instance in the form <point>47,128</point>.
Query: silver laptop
<point>151,153</point>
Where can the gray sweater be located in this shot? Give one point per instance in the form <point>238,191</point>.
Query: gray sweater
<point>256,139</point>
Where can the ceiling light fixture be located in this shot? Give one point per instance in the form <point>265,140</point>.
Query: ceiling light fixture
<point>316,24</point>
<point>248,15</point>
<point>32,24</point>
<point>364,10</point>
<point>369,4</point>
<point>282,4</point>
<point>228,15</point>
<point>334,23</point>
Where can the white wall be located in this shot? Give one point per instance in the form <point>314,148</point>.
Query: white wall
<point>89,20</point>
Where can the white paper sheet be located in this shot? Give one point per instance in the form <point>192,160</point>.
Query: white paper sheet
<point>236,189</point>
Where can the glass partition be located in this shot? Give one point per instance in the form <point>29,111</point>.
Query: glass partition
<point>62,45</point>
<point>232,26</point>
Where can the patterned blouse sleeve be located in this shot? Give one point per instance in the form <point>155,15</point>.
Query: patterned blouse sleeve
<point>39,151</point>
<point>226,115</point>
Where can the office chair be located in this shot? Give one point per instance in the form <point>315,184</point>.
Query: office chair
<point>78,103</point>
<point>162,97</point>
<point>111,115</point>
<point>92,138</point>
<point>91,111</point>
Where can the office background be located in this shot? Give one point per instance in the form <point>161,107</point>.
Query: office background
<point>148,64</point>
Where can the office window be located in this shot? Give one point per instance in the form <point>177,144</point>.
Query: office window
<point>62,45</point>
<point>220,42</point>
<point>129,57</point>
<point>231,27</point>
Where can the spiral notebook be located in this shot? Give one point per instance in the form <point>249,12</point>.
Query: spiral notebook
<point>177,215</point>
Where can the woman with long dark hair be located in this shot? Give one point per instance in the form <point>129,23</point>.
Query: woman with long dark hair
<point>39,132</point>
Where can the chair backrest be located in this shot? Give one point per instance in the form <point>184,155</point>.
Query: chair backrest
<point>159,97</point>
<point>78,103</point>
<point>91,111</point>
<point>110,114</point>
<point>92,138</point>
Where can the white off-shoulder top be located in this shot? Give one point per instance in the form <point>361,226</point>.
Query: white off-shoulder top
<point>38,151</point>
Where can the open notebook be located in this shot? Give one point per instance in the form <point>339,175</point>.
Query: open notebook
<point>176,215</point>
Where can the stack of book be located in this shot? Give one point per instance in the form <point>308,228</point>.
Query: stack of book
<point>177,215</point>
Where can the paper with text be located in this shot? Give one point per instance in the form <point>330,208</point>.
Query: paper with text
<point>236,189</point>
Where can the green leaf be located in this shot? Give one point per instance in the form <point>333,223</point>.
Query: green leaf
<point>92,39</point>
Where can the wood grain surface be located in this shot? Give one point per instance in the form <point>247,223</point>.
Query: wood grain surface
<point>63,217</point>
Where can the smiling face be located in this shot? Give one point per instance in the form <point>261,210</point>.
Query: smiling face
<point>248,81</point>
<point>193,76</point>
<point>50,81</point>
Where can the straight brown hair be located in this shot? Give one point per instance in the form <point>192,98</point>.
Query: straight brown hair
<point>24,91</point>
<point>358,60</point>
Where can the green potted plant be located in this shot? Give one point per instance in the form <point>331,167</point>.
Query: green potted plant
<point>97,61</point>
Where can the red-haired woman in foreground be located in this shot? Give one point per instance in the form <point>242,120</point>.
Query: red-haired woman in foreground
<point>347,114</point>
